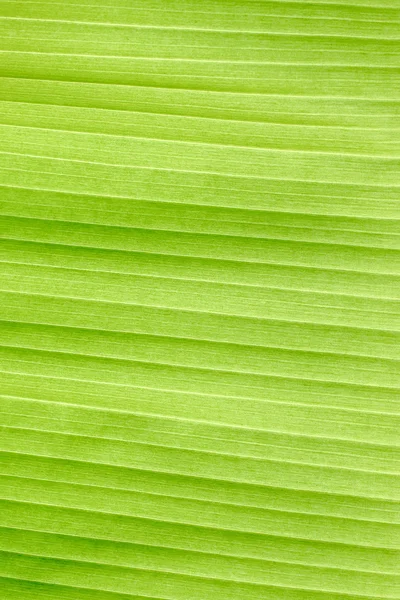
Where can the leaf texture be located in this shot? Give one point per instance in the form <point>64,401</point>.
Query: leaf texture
<point>199,300</point>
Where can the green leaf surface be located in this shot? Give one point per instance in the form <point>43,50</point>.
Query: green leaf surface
<point>200,300</point>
